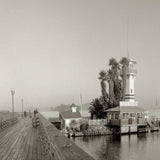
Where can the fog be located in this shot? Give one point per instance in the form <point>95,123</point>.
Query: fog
<point>51,50</point>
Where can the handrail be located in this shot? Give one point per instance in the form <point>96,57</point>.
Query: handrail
<point>57,145</point>
<point>52,150</point>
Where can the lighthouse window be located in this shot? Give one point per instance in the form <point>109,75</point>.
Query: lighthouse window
<point>131,65</point>
<point>131,90</point>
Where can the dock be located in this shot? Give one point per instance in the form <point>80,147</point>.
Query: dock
<point>20,141</point>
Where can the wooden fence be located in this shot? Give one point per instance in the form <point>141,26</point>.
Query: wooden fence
<point>97,122</point>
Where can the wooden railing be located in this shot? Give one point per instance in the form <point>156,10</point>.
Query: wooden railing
<point>126,121</point>
<point>141,121</point>
<point>114,122</point>
<point>57,146</point>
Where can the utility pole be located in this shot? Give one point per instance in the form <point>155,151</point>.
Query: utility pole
<point>12,93</point>
<point>128,37</point>
<point>22,106</point>
<point>81,102</point>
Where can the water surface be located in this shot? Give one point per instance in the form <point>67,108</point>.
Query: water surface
<point>134,147</point>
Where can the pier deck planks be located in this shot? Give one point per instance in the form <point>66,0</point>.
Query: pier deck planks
<point>21,142</point>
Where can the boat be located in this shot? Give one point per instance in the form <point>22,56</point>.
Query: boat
<point>77,134</point>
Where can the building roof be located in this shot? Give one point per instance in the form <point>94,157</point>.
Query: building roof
<point>126,109</point>
<point>54,120</point>
<point>70,114</point>
<point>73,105</point>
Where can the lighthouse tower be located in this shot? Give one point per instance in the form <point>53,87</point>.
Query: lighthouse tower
<point>131,73</point>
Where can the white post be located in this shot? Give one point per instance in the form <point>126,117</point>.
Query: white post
<point>12,93</point>
<point>81,103</point>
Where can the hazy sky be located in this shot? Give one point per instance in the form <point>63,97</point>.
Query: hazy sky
<point>50,50</point>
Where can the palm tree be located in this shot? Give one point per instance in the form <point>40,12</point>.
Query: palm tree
<point>115,93</point>
<point>102,77</point>
<point>114,82</point>
<point>123,62</point>
<point>111,87</point>
<point>112,62</point>
<point>96,109</point>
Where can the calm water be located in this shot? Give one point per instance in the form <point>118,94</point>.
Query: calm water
<point>134,147</point>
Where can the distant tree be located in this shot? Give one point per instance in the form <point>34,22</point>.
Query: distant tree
<point>64,107</point>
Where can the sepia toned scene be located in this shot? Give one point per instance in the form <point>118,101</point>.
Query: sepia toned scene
<point>79,80</point>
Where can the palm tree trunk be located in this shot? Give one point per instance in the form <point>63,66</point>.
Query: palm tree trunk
<point>103,90</point>
<point>111,91</point>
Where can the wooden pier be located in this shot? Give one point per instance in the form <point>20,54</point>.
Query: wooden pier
<point>21,141</point>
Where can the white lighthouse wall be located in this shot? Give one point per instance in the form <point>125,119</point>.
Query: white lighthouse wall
<point>129,90</point>
<point>131,86</point>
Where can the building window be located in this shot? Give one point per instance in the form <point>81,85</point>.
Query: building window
<point>112,116</point>
<point>109,116</point>
<point>125,115</point>
<point>132,114</point>
<point>139,115</point>
<point>116,116</point>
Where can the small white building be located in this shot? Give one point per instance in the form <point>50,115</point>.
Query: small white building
<point>67,116</point>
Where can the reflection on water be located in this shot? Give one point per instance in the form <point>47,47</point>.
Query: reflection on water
<point>134,147</point>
